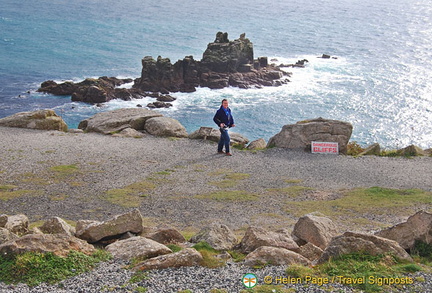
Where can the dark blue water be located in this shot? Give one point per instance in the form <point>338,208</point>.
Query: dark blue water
<point>381,81</point>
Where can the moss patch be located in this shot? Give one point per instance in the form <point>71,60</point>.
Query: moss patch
<point>290,191</point>
<point>131,195</point>
<point>360,201</point>
<point>8,192</point>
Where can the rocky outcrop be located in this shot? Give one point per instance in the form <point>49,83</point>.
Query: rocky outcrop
<point>277,256</point>
<point>118,120</point>
<point>185,258</point>
<point>218,236</point>
<point>165,126</point>
<point>214,135</point>
<point>311,252</point>
<point>18,224</point>
<point>301,134</point>
<point>57,225</point>
<point>351,242</point>
<point>94,231</point>
<point>59,244</point>
<point>137,247</point>
<point>256,237</point>
<point>315,229</point>
<point>40,119</point>
<point>129,132</point>
<point>224,63</point>
<point>411,150</point>
<point>417,227</point>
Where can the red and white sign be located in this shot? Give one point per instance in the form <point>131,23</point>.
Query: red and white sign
<point>325,147</point>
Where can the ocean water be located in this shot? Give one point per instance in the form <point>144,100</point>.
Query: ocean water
<point>381,81</point>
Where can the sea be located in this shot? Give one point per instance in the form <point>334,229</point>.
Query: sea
<point>380,79</point>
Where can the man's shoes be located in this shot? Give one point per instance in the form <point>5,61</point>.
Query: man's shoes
<point>221,152</point>
<point>228,154</point>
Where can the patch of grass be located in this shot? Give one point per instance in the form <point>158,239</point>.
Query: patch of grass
<point>209,255</point>
<point>65,170</point>
<point>31,178</point>
<point>224,183</point>
<point>140,289</point>
<point>361,201</point>
<point>237,256</point>
<point>422,249</point>
<point>354,149</point>
<point>174,248</point>
<point>237,176</point>
<point>34,268</point>
<point>8,192</point>
<point>219,172</point>
<point>138,277</point>
<point>218,291</point>
<point>290,191</point>
<point>229,195</point>
<point>131,195</point>
<point>293,181</point>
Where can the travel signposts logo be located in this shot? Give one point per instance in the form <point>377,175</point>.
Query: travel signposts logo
<point>249,280</point>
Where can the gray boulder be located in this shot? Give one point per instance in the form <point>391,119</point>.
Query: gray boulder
<point>277,256</point>
<point>315,229</point>
<point>93,231</point>
<point>417,227</point>
<point>137,247</point>
<point>115,121</point>
<point>301,134</point>
<point>57,225</point>
<point>167,236</point>
<point>59,244</point>
<point>218,236</point>
<point>185,258</point>
<point>351,242</point>
<point>40,119</point>
<point>310,251</point>
<point>256,237</point>
<point>165,126</point>
<point>373,150</point>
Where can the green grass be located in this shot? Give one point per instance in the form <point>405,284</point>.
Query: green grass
<point>65,170</point>
<point>209,255</point>
<point>229,195</point>
<point>174,248</point>
<point>8,192</point>
<point>34,268</point>
<point>131,195</point>
<point>290,191</point>
<point>356,202</point>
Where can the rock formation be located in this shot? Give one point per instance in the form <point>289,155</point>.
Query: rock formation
<point>301,134</point>
<point>224,63</point>
<point>40,119</point>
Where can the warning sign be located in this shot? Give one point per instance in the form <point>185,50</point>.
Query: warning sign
<point>325,147</point>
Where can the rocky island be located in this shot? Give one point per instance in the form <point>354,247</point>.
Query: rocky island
<point>224,63</point>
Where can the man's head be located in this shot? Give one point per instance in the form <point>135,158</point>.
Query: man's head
<point>225,103</point>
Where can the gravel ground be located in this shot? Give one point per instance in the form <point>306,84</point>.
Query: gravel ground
<point>183,171</point>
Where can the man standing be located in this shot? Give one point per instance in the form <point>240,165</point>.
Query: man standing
<point>224,121</point>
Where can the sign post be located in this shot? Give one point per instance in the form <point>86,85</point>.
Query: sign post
<point>319,147</point>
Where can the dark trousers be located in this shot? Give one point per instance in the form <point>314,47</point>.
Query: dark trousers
<point>224,140</point>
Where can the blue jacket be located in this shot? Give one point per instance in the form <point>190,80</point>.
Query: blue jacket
<point>222,117</point>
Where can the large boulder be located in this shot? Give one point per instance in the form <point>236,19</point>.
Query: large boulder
<point>93,231</point>
<point>303,133</point>
<point>258,144</point>
<point>59,244</point>
<point>40,119</point>
<point>311,252</point>
<point>17,224</point>
<point>411,150</point>
<point>165,126</point>
<point>417,227</point>
<point>137,247</point>
<point>218,236</point>
<point>315,229</point>
<point>256,237</point>
<point>351,242</point>
<point>185,258</point>
<point>214,135</point>
<point>277,256</point>
<point>373,150</point>
<point>56,225</point>
<point>166,235</point>
<point>118,120</point>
